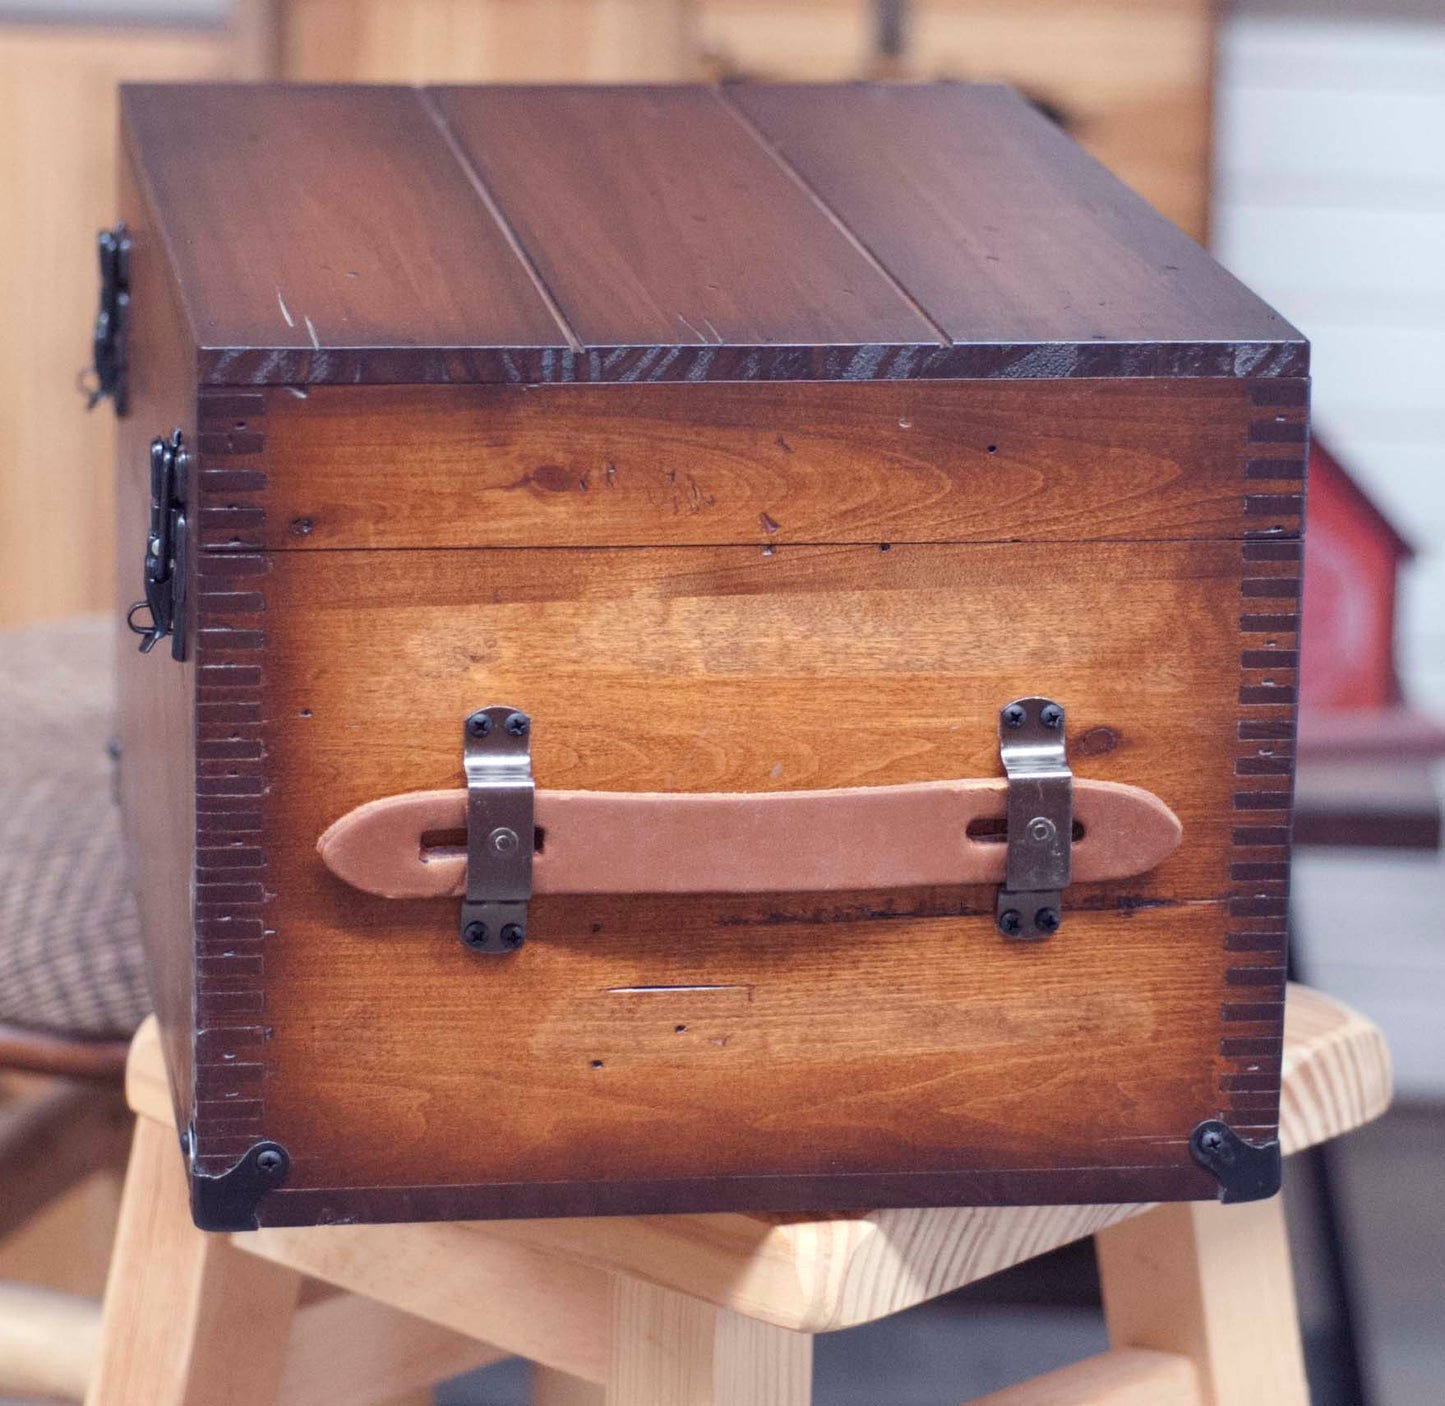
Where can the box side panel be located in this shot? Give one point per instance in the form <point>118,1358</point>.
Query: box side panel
<point>157,694</point>
<point>512,466</point>
<point>782,1052</point>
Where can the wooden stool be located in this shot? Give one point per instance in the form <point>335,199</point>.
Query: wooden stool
<point>715,1310</point>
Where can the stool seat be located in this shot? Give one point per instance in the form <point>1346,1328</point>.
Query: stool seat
<point>700,1310</point>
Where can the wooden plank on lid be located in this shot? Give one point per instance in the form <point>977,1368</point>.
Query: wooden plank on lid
<point>659,220</point>
<point>1008,235</point>
<point>330,234</point>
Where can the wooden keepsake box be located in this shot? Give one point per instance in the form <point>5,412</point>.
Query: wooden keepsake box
<point>700,649</point>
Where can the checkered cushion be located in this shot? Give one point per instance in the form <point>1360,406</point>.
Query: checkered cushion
<point>70,958</point>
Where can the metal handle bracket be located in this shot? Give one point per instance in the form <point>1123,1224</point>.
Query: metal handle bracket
<point>501,828</point>
<point>1040,818</point>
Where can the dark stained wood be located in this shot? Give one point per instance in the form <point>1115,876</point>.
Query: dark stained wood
<point>657,219</point>
<point>651,465</point>
<point>156,696</point>
<point>995,221</point>
<point>306,219</point>
<point>534,235</point>
<point>39,1052</point>
<point>705,588</point>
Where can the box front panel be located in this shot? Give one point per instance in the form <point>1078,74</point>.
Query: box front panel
<point>789,1050</point>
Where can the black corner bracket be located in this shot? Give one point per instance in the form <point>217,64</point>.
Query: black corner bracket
<point>1245,1172</point>
<point>228,1201</point>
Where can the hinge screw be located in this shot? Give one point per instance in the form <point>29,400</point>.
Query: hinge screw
<point>479,724</point>
<point>1014,715</point>
<point>1011,922</point>
<point>474,934</point>
<point>1051,715</point>
<point>512,935</point>
<point>1047,920</point>
<point>518,724</point>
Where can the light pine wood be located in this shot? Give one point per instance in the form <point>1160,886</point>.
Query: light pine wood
<point>58,169</point>
<point>188,1320</point>
<point>545,1308</point>
<point>553,1388</point>
<point>672,1350</point>
<point>1214,1284</point>
<point>345,1348</point>
<point>47,1342</point>
<point>1123,1377</point>
<point>816,1275</point>
<point>437,41</point>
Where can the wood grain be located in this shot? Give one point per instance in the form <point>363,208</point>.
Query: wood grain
<point>653,465</point>
<point>676,642</point>
<point>671,1350</point>
<point>427,268</point>
<point>1059,253</point>
<point>540,234</point>
<point>811,1273</point>
<point>643,244</point>
<point>1131,80</point>
<point>156,695</point>
<point>188,1319</point>
<point>348,1348</point>
<point>1212,1283</point>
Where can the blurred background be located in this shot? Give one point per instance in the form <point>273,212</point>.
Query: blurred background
<point>1302,142</point>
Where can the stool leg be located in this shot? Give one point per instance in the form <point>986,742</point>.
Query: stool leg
<point>188,1319</point>
<point>672,1350</point>
<point>1212,1283</point>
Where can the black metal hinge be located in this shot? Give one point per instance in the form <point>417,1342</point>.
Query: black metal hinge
<point>167,547</point>
<point>229,1201</point>
<point>110,343</point>
<point>1245,1171</point>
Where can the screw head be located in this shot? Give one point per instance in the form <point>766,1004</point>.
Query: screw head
<point>512,935</point>
<point>1211,1140</point>
<point>503,841</point>
<point>518,725</point>
<point>1011,922</point>
<point>479,725</point>
<point>1047,920</point>
<point>1015,715</point>
<point>1042,830</point>
<point>474,934</point>
<point>269,1161</point>
<point>1051,715</point>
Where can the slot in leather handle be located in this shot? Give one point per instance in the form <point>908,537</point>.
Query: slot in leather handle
<point>871,837</point>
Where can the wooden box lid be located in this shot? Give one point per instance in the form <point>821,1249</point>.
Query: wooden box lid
<point>553,234</point>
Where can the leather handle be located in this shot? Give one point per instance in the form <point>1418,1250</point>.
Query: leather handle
<point>873,837</point>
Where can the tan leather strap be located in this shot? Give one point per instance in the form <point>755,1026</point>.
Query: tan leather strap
<point>873,837</point>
